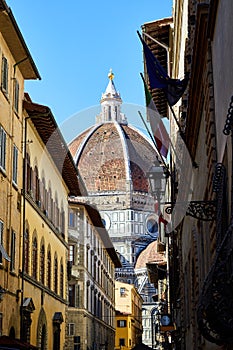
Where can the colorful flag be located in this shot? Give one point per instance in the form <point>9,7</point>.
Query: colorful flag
<point>157,126</point>
<point>158,77</point>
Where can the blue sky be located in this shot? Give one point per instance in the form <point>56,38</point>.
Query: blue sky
<point>74,47</point>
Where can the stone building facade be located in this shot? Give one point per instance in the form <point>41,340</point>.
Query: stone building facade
<point>200,245</point>
<point>92,263</point>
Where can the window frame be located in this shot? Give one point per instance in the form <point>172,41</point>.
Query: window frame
<point>13,251</point>
<point>42,264</point>
<point>34,257</point>
<point>2,149</point>
<point>4,77</point>
<point>15,165</point>
<point>121,323</point>
<point>49,269</point>
<point>71,329</point>
<point>16,95</point>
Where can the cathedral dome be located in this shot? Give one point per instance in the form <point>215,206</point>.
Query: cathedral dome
<point>113,156</point>
<point>148,255</point>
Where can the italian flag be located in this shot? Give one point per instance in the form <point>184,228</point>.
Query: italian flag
<point>157,126</point>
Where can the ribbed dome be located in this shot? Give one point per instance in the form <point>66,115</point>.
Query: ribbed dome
<point>113,156</point>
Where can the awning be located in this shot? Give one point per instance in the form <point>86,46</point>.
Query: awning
<point>8,343</point>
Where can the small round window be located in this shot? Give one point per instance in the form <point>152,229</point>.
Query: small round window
<point>151,225</point>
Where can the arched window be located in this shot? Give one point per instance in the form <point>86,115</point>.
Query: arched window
<point>42,264</point>
<point>50,204</point>
<point>37,188</point>
<point>44,197</point>
<point>62,221</point>
<point>28,175</point>
<point>26,251</point>
<point>55,277</point>
<point>56,213</point>
<point>61,280</point>
<point>49,269</point>
<point>34,258</point>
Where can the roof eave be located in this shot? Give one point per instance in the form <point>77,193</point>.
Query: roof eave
<point>16,43</point>
<point>47,128</point>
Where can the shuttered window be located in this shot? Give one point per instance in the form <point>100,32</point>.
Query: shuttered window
<point>16,96</point>
<point>13,239</point>
<point>15,165</point>
<point>4,82</point>
<point>2,148</point>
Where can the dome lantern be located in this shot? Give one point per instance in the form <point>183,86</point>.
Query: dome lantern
<point>111,104</point>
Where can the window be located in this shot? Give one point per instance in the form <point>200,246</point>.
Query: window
<point>71,218</point>
<point>121,323</point>
<point>16,95</point>
<point>71,328</point>
<point>26,251</point>
<point>34,258</point>
<point>63,222</point>
<point>122,291</point>
<point>61,280</point>
<point>122,341</point>
<point>4,82</point>
<point>71,253</point>
<point>28,174</point>
<point>76,342</point>
<point>15,165</point>
<point>42,260</point>
<point>2,148</point>
<point>55,275</point>
<point>37,188</point>
<point>72,295</point>
<point>13,238</point>
<point>49,269</point>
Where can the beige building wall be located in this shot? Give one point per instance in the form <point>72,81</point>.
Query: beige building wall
<point>128,316</point>
<point>49,179</point>
<point>12,77</point>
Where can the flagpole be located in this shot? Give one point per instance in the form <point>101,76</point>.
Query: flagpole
<point>183,137</point>
<point>171,109</point>
<point>161,157</point>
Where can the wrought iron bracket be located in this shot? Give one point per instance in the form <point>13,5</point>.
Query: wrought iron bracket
<point>201,210</point>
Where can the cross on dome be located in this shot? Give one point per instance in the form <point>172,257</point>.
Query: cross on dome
<point>111,74</point>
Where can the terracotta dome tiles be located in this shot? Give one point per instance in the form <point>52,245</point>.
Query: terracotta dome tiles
<point>106,153</point>
<point>149,254</point>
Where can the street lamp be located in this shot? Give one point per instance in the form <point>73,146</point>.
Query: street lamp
<point>157,180</point>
